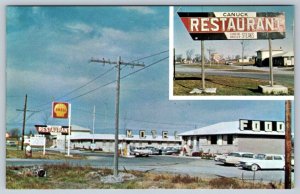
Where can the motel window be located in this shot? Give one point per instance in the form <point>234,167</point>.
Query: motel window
<point>230,139</point>
<point>213,139</point>
<point>149,142</point>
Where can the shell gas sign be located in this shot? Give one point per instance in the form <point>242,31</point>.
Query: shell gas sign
<point>60,110</point>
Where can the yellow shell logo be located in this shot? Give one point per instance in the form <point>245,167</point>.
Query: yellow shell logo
<point>60,110</point>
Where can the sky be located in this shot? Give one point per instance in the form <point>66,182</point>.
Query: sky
<point>47,56</point>
<point>183,41</point>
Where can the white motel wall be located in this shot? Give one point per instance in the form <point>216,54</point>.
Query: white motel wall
<point>106,141</point>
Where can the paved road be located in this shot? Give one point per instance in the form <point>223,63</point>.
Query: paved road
<point>172,164</point>
<point>280,76</point>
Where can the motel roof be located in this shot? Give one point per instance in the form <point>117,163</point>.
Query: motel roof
<point>224,128</point>
<point>123,137</point>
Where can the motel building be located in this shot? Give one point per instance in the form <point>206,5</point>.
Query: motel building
<point>82,138</point>
<point>244,135</point>
<point>106,142</point>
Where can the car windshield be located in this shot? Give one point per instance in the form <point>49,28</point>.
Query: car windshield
<point>234,154</point>
<point>247,155</point>
<point>260,156</point>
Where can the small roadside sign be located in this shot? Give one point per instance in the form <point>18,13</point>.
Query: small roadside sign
<point>38,140</point>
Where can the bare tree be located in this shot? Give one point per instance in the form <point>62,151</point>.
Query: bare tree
<point>189,53</point>
<point>197,58</point>
<point>46,118</point>
<point>14,133</point>
<point>178,58</point>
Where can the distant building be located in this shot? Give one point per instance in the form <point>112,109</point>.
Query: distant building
<point>244,135</point>
<point>280,58</point>
<point>216,57</point>
<point>284,59</point>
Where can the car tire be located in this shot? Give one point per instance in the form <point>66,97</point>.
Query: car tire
<point>254,167</point>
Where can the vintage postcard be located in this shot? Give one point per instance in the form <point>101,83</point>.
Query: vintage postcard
<point>87,98</point>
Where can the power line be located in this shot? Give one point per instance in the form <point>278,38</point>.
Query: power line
<point>87,83</point>
<point>86,93</point>
<point>94,79</point>
<point>136,120</point>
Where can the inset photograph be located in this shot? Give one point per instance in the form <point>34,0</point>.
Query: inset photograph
<point>233,50</point>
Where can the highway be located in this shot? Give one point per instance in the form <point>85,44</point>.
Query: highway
<point>171,164</point>
<point>280,76</point>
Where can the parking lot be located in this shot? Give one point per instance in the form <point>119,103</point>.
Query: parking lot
<point>172,164</point>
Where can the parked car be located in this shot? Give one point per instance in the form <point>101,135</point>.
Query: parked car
<point>263,161</point>
<point>234,158</point>
<point>218,157</point>
<point>170,151</point>
<point>11,143</point>
<point>141,151</point>
<point>154,151</point>
<point>228,63</point>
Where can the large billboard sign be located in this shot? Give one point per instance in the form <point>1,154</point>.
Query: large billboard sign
<point>50,129</point>
<point>234,25</point>
<point>60,110</point>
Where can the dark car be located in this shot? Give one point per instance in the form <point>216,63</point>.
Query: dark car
<point>170,151</point>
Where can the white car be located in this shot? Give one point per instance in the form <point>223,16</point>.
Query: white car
<point>141,151</point>
<point>233,158</point>
<point>264,161</point>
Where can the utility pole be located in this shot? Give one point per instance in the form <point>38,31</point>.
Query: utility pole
<point>288,145</point>
<point>209,53</point>
<point>243,47</point>
<point>174,63</point>
<point>24,120</point>
<point>118,64</point>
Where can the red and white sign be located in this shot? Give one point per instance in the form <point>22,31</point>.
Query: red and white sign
<point>48,129</point>
<point>60,110</point>
<point>234,25</point>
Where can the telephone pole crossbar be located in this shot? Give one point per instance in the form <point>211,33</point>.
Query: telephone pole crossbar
<point>118,63</point>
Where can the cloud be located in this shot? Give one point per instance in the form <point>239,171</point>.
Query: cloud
<point>140,9</point>
<point>79,27</point>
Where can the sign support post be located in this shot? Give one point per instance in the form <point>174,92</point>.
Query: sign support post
<point>271,63</point>
<point>69,130</point>
<point>44,150</point>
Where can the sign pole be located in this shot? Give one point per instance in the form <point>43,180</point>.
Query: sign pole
<point>44,150</point>
<point>202,65</point>
<point>271,63</point>
<point>288,145</point>
<point>69,130</point>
